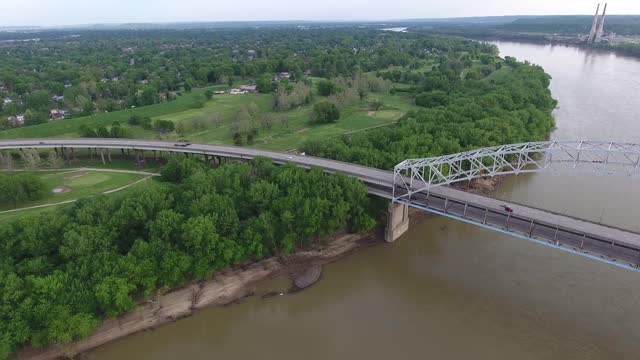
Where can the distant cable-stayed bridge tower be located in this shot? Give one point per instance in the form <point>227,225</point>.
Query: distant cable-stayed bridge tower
<point>601,26</point>
<point>592,34</point>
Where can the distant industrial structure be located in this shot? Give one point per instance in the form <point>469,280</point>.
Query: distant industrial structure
<point>597,33</point>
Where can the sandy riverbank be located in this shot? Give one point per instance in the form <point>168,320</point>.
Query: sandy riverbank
<point>226,287</point>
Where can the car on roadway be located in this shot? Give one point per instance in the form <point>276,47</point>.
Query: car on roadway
<point>182,144</point>
<point>507,208</point>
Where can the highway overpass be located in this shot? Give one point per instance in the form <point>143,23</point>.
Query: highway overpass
<point>615,246</point>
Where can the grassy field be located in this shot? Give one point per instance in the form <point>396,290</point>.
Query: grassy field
<point>282,136</point>
<point>298,129</point>
<point>73,185</point>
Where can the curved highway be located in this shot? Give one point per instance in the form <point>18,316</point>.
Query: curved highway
<point>615,246</point>
<point>380,182</point>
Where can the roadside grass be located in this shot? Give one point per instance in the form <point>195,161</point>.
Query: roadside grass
<point>77,184</point>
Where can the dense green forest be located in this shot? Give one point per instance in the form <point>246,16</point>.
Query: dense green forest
<point>513,105</point>
<point>64,271</point>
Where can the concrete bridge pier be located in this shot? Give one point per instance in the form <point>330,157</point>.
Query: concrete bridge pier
<point>397,221</point>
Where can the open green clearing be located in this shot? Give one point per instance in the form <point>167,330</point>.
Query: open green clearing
<point>297,129</point>
<point>74,185</point>
<point>282,136</point>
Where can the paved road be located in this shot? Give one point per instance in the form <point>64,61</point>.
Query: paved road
<point>599,241</point>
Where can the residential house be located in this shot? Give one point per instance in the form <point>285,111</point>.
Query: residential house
<point>56,114</point>
<point>7,101</point>
<point>67,84</point>
<point>15,122</point>
<point>282,75</point>
<point>237,92</point>
<point>57,98</point>
<point>249,88</point>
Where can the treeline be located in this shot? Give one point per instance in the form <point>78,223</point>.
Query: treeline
<point>512,105</point>
<point>632,49</point>
<point>620,24</point>
<point>62,272</point>
<point>20,187</point>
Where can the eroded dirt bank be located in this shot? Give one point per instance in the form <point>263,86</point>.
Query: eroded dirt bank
<point>226,287</point>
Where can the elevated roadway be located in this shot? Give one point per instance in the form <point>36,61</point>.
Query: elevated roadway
<point>615,246</point>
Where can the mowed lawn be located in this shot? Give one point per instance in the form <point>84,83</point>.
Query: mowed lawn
<point>298,128</point>
<point>71,185</point>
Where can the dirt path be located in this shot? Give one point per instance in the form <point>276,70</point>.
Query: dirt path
<point>73,200</point>
<point>126,186</point>
<point>71,170</point>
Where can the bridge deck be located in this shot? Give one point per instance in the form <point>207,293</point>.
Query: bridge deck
<point>582,236</point>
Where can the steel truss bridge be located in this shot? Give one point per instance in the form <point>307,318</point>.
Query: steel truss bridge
<point>418,175</point>
<point>419,183</point>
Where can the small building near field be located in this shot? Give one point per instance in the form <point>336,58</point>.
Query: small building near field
<point>16,121</point>
<point>282,75</point>
<point>237,92</point>
<point>56,114</point>
<point>249,88</point>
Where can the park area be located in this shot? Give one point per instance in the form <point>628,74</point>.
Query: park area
<point>66,186</point>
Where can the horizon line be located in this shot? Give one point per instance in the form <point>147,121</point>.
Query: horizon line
<point>293,21</point>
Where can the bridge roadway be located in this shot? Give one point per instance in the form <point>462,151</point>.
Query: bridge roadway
<point>615,246</point>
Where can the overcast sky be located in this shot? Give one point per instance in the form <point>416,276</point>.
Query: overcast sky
<point>71,12</point>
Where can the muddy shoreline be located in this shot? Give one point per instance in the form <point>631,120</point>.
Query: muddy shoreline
<point>226,288</point>
<point>229,286</point>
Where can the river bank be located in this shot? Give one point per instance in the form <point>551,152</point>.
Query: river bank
<point>618,48</point>
<point>228,287</point>
<point>225,288</point>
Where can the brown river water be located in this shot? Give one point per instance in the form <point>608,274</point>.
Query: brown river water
<point>449,290</point>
